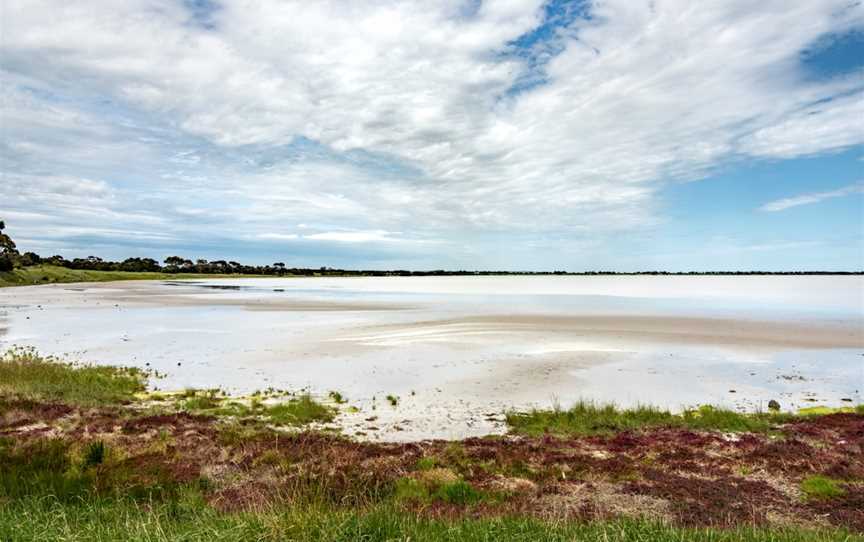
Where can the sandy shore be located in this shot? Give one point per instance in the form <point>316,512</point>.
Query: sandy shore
<point>626,329</point>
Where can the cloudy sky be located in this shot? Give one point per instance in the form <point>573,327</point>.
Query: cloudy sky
<point>509,134</point>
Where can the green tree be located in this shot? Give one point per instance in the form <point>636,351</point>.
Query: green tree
<point>8,253</point>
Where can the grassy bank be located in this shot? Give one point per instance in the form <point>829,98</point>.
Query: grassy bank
<point>586,418</point>
<point>27,376</point>
<point>49,274</point>
<point>85,455</point>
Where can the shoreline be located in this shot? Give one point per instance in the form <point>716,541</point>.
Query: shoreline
<point>76,439</point>
<point>449,360</point>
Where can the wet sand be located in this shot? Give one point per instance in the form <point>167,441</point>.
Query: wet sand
<point>459,351</point>
<point>627,329</point>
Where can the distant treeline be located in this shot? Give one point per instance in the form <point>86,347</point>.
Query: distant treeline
<point>176,264</point>
<point>11,258</point>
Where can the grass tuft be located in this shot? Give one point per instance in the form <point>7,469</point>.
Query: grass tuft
<point>337,397</point>
<point>94,454</point>
<point>821,487</point>
<point>299,411</point>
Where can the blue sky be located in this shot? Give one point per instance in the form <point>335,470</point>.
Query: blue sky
<point>618,134</point>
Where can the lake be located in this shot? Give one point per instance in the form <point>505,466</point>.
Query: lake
<point>459,351</point>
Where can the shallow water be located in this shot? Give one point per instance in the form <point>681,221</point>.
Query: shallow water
<point>460,350</point>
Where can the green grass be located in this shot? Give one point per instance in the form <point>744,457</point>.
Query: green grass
<point>25,375</point>
<point>47,274</point>
<point>458,492</point>
<point>301,410</point>
<point>586,418</point>
<point>188,518</point>
<point>821,487</point>
<point>50,489</point>
<point>337,397</point>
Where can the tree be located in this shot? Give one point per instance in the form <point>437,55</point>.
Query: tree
<point>175,263</point>
<point>7,245</point>
<point>8,253</point>
<point>30,258</point>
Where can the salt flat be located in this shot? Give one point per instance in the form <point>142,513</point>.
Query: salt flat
<point>458,351</point>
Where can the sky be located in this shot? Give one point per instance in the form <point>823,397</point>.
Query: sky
<point>457,134</point>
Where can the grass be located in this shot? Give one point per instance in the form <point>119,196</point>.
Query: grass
<point>49,490</point>
<point>821,487</point>
<point>301,410</point>
<point>97,486</point>
<point>48,274</point>
<point>823,410</point>
<point>337,397</point>
<point>586,418</point>
<point>188,518</point>
<point>25,375</point>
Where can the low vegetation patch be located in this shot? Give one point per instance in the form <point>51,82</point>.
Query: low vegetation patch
<point>586,418</point>
<point>296,411</point>
<point>187,518</point>
<point>25,375</point>
<point>821,487</point>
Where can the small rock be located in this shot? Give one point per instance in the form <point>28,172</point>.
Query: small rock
<point>773,405</point>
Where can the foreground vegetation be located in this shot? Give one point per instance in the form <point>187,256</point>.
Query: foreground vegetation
<point>586,418</point>
<point>85,454</point>
<point>188,518</point>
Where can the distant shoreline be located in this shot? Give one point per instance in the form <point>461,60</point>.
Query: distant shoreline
<point>52,274</point>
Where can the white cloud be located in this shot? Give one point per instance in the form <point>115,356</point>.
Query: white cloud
<point>278,236</point>
<point>641,93</point>
<point>351,236</point>
<point>814,197</point>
